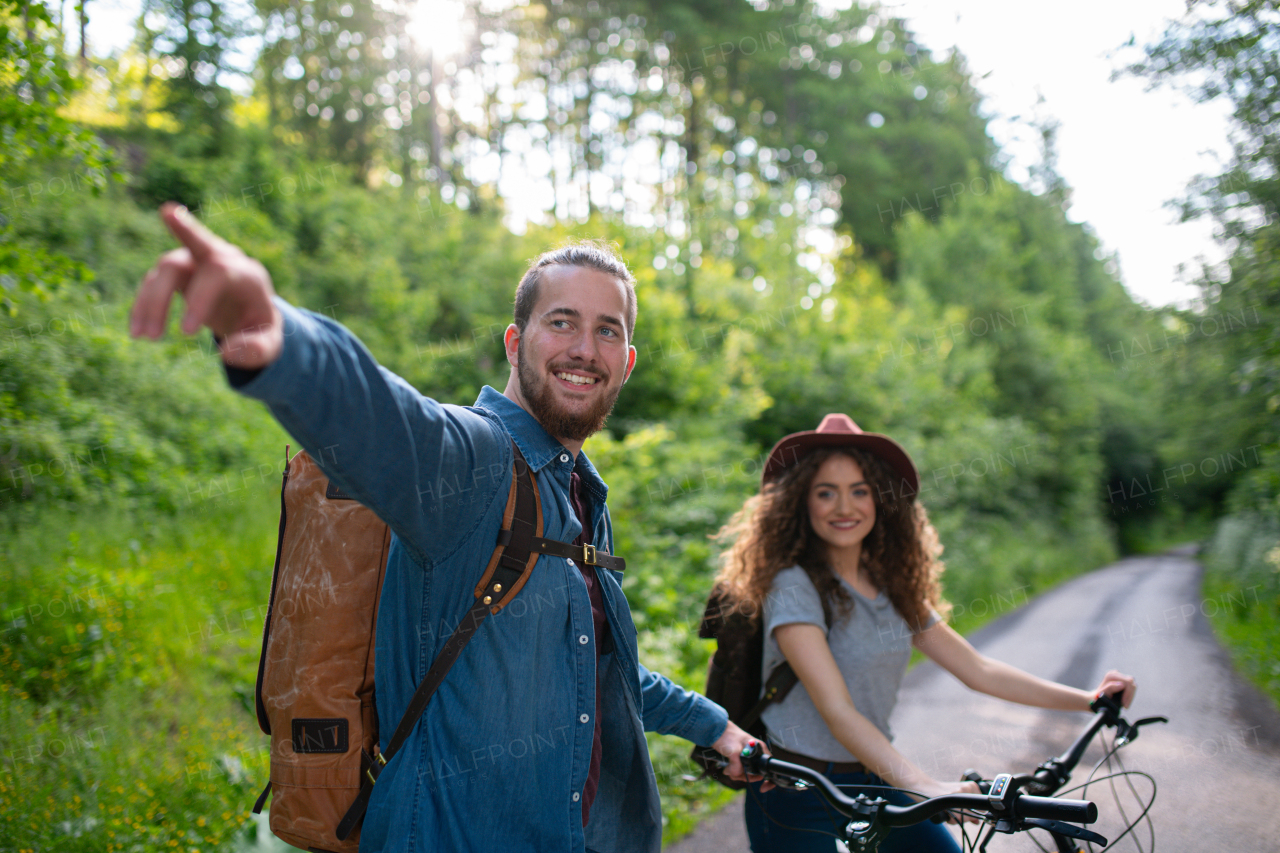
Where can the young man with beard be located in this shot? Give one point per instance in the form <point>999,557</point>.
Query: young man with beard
<point>535,740</point>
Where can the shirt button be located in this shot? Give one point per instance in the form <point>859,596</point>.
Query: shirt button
<point>584,719</point>
<point>564,457</point>
<point>583,640</point>
<point>570,562</point>
<point>576,796</point>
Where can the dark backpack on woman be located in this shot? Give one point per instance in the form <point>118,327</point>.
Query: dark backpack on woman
<point>733,677</point>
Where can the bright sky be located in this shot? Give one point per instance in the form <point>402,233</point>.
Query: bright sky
<point>1123,150</point>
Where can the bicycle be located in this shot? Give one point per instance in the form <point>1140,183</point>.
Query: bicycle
<point>1054,773</point>
<point>1001,806</point>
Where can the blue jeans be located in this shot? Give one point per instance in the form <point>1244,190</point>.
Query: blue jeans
<point>789,821</point>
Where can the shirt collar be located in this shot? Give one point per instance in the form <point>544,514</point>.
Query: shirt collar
<point>537,445</point>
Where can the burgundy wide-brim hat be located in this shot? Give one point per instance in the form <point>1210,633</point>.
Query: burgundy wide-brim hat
<point>838,430</point>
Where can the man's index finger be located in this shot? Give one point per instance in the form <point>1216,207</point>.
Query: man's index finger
<point>199,240</point>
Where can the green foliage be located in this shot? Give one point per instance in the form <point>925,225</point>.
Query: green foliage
<point>126,677</point>
<point>74,429</point>
<point>1242,579</point>
<point>1226,50</point>
<point>167,178</point>
<point>198,39</point>
<point>34,83</point>
<point>343,44</point>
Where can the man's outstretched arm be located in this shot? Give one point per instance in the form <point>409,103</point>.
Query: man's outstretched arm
<point>382,441</point>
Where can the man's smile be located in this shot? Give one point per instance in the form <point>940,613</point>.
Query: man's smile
<point>579,379</point>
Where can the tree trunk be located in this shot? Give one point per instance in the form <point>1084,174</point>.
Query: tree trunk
<point>432,119</point>
<point>692,156</point>
<point>587,154</point>
<point>84,25</point>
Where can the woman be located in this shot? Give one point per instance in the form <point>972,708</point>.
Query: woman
<point>835,538</point>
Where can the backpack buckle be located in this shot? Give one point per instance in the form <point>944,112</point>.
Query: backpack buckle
<point>589,555</point>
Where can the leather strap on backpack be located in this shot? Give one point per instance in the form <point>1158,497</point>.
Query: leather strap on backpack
<point>780,682</point>
<point>509,568</point>
<point>588,554</point>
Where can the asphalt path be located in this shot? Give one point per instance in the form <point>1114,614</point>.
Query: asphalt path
<point>1216,764</point>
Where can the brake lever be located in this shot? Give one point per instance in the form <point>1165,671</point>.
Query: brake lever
<point>1068,829</point>
<point>1127,733</point>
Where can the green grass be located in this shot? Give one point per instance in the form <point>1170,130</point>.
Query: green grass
<point>126,677</point>
<point>1250,629</point>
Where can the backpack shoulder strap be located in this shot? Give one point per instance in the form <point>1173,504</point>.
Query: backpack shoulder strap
<point>781,679</point>
<point>780,682</point>
<point>513,559</point>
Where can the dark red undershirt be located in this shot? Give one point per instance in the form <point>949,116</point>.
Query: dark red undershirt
<point>578,498</point>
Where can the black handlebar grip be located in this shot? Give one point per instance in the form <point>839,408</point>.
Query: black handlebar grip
<point>1108,702</point>
<point>984,785</point>
<point>1052,808</point>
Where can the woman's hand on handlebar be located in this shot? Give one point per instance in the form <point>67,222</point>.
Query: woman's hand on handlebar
<point>941,789</point>
<point>1118,683</point>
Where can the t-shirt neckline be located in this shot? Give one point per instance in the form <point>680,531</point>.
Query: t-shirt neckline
<point>877,603</point>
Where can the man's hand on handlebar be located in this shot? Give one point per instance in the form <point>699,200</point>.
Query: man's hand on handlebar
<point>731,745</point>
<point>224,289</point>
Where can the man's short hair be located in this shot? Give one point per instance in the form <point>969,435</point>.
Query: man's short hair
<point>592,254</point>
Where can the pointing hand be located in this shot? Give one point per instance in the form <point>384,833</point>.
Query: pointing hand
<point>223,287</point>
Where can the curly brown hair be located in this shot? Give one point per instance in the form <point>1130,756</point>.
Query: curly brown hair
<point>772,532</point>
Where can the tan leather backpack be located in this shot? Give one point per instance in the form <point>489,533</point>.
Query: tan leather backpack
<point>315,690</point>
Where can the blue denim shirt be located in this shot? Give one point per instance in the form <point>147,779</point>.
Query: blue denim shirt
<point>499,759</point>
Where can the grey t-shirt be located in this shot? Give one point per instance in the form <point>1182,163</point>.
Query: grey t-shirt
<point>871,645</point>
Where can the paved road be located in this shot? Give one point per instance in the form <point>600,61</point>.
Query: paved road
<point>1217,763</point>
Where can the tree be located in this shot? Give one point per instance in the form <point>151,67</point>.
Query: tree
<point>32,135</point>
<point>198,38</point>
<point>1230,50</point>
<point>338,74</point>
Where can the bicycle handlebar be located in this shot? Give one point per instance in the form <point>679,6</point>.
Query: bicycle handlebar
<point>1008,809</point>
<point>1019,807</point>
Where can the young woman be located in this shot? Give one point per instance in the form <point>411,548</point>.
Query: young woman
<point>842,563</point>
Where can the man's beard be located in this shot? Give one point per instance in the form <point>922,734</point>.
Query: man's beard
<point>540,397</point>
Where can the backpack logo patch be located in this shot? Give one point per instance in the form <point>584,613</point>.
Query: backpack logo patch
<point>319,735</point>
<point>333,492</point>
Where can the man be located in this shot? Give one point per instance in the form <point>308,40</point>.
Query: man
<point>535,739</point>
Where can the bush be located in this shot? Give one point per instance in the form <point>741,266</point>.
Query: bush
<point>1242,563</point>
